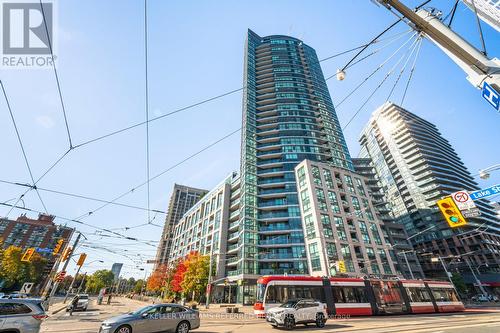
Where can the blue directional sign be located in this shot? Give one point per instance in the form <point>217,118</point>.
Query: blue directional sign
<point>491,95</point>
<point>487,192</point>
<point>42,249</point>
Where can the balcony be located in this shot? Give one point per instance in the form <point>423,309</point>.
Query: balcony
<point>234,215</point>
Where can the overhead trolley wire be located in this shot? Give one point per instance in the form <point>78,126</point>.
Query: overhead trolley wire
<point>162,173</point>
<point>380,84</point>
<point>21,145</point>
<point>146,103</point>
<point>56,75</point>
<point>375,71</point>
<point>80,196</point>
<point>116,234</point>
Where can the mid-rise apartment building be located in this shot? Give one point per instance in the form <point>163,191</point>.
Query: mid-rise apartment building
<point>340,222</point>
<point>25,232</point>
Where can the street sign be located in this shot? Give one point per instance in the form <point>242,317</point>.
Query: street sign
<point>43,250</point>
<point>463,200</point>
<point>487,192</point>
<point>26,288</point>
<point>491,95</point>
<point>81,260</point>
<point>471,213</point>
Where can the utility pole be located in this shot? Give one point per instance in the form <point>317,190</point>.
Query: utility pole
<point>209,284</point>
<point>81,283</point>
<point>482,72</point>
<point>48,284</point>
<point>71,285</point>
<point>446,271</point>
<point>408,264</point>
<point>56,284</point>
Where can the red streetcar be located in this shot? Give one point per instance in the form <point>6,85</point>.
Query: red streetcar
<point>359,297</point>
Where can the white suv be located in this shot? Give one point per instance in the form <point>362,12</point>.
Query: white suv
<point>23,315</point>
<point>302,311</point>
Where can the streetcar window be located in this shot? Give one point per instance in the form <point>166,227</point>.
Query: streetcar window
<point>261,289</point>
<point>349,295</point>
<point>418,294</point>
<point>337,295</point>
<point>445,295</point>
<point>281,294</point>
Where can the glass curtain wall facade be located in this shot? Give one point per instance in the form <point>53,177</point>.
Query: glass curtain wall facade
<point>288,116</point>
<point>416,167</point>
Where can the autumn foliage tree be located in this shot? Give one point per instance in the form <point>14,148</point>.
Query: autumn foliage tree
<point>156,281</point>
<point>195,277</point>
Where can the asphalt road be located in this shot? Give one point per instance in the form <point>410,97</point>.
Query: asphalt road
<point>214,320</point>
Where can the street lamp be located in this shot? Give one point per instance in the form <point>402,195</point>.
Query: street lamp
<point>485,173</point>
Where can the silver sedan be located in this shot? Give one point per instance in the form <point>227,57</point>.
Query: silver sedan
<point>154,318</point>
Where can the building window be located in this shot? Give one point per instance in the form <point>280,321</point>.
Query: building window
<point>310,230</point>
<point>339,225</point>
<point>315,261</point>
<point>320,194</point>
<point>359,186</point>
<point>331,250</point>
<point>328,178</point>
<point>302,176</point>
<point>327,226</point>
<point>306,201</point>
<point>364,232</point>
<point>316,175</point>
<point>334,203</point>
<point>346,254</point>
<point>357,207</point>
<point>368,211</point>
<point>350,185</point>
<point>375,234</point>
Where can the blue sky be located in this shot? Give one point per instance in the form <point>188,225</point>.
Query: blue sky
<point>196,52</point>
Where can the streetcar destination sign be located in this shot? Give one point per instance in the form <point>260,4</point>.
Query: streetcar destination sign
<point>487,192</point>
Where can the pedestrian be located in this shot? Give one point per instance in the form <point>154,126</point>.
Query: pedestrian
<point>74,304</point>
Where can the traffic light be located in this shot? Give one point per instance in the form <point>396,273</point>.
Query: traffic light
<point>451,212</point>
<point>81,260</point>
<point>58,246</point>
<point>28,254</point>
<point>342,266</point>
<point>67,253</point>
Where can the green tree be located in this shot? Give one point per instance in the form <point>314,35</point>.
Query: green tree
<point>139,284</point>
<point>100,279</point>
<point>196,275</point>
<point>459,283</point>
<point>15,272</point>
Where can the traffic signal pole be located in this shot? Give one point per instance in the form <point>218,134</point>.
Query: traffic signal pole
<point>72,283</point>
<point>56,284</point>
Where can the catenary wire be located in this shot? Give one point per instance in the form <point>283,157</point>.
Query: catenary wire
<point>209,100</point>
<point>146,105</point>
<point>375,71</point>
<point>380,85</point>
<point>80,196</point>
<point>21,145</point>
<point>163,172</point>
<point>56,75</point>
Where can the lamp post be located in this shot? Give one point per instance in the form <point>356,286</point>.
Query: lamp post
<point>404,252</point>
<point>485,173</point>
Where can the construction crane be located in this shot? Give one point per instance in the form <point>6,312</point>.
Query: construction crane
<point>482,72</point>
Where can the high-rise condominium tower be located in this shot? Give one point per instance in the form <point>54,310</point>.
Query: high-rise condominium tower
<point>416,167</point>
<point>288,116</point>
